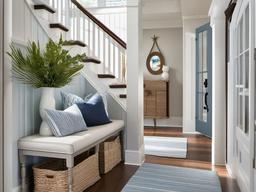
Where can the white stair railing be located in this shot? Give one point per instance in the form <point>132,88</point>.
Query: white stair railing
<point>101,42</point>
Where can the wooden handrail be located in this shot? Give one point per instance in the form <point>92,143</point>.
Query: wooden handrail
<point>100,24</point>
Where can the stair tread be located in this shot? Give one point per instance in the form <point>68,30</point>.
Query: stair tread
<point>106,76</point>
<point>60,26</point>
<point>74,42</point>
<point>91,60</point>
<point>45,7</point>
<point>123,96</point>
<point>118,85</point>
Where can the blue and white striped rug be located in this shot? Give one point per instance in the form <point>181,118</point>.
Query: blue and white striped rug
<point>162,178</point>
<point>166,146</point>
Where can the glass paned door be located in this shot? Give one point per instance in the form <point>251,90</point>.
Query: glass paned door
<point>203,80</point>
<point>243,64</point>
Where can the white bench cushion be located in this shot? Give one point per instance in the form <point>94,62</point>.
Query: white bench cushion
<point>72,143</point>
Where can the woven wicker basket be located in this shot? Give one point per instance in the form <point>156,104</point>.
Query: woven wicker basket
<point>109,154</point>
<point>52,176</point>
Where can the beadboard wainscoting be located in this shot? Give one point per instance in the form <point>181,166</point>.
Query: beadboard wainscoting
<point>26,118</point>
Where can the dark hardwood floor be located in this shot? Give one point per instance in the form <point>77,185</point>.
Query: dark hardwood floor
<point>199,156</point>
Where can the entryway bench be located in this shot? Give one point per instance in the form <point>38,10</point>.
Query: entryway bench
<point>65,147</point>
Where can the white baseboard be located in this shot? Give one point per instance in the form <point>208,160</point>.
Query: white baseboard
<point>171,122</point>
<point>135,157</point>
<point>189,126</point>
<point>230,172</point>
<point>195,133</point>
<point>16,189</point>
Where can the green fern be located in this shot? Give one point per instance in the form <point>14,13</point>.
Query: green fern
<point>53,67</point>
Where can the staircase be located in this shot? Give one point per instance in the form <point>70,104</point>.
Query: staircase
<point>105,65</point>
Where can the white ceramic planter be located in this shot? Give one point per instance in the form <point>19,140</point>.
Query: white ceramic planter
<point>47,102</point>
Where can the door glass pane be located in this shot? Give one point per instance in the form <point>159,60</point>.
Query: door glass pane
<point>202,110</point>
<point>246,68</point>
<point>237,71</point>
<point>205,83</point>
<point>240,72</point>
<point>247,27</point>
<point>204,51</point>
<point>200,52</point>
<point>201,105</point>
<point>201,80</point>
<point>241,29</point>
<point>240,110</point>
<point>205,116</point>
<point>246,123</point>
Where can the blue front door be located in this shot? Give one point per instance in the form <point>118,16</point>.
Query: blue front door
<point>204,80</point>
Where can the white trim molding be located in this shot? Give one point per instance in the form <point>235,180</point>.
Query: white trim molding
<point>171,122</point>
<point>8,125</point>
<point>16,189</point>
<point>135,157</point>
<point>230,172</point>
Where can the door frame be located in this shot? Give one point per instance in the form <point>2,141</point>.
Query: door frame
<point>229,13</point>
<point>199,124</point>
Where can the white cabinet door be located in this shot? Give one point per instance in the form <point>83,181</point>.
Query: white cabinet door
<point>242,27</point>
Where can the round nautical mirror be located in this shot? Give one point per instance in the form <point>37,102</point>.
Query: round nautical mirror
<point>155,62</point>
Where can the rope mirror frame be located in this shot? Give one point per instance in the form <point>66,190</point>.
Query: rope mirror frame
<point>155,53</point>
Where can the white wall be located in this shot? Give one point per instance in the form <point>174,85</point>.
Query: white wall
<point>1,96</point>
<point>189,73</point>
<point>171,45</point>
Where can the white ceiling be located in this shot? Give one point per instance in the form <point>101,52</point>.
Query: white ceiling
<point>170,13</point>
<point>193,8</point>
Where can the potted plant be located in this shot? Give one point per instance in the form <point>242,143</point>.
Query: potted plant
<point>48,69</point>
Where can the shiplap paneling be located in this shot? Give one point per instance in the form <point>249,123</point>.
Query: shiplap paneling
<point>26,99</point>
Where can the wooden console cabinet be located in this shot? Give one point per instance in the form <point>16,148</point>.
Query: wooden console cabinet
<point>156,99</point>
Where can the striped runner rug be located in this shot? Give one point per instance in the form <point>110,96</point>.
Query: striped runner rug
<point>166,146</point>
<point>162,178</point>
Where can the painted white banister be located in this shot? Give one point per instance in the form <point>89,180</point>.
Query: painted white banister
<point>101,42</point>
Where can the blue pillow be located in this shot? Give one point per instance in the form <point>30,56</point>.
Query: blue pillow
<point>104,98</point>
<point>67,122</point>
<point>93,111</point>
<point>69,99</point>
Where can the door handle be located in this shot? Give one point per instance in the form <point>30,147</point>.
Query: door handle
<point>206,107</point>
